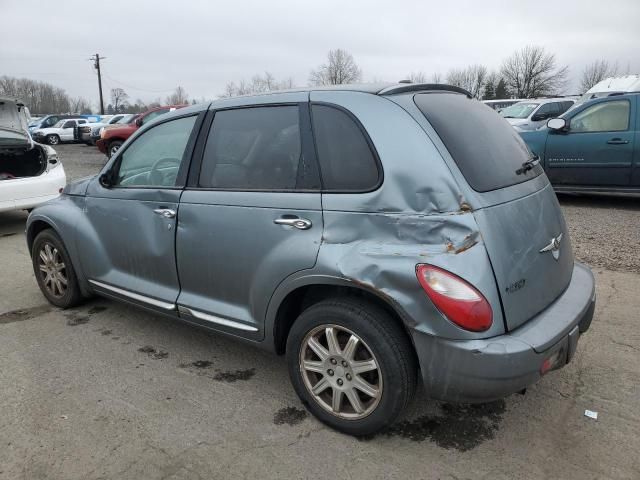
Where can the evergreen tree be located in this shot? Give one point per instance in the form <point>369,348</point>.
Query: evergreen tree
<point>489,90</point>
<point>501,90</point>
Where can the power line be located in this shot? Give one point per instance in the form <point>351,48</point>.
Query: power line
<point>136,88</point>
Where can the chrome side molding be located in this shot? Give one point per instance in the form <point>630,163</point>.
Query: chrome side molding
<point>135,296</point>
<point>217,320</point>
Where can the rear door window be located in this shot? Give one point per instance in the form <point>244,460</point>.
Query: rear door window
<point>347,162</point>
<point>256,148</point>
<point>486,149</point>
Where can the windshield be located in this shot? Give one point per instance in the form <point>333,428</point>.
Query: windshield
<point>519,110</point>
<point>128,119</point>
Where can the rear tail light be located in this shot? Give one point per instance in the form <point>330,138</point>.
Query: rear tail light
<point>456,299</point>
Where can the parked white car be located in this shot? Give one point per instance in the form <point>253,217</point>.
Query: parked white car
<point>533,114</point>
<point>30,173</point>
<point>60,132</point>
<point>90,132</point>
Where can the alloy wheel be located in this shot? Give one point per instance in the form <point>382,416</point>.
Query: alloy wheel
<point>340,372</point>
<point>52,270</point>
<point>53,140</point>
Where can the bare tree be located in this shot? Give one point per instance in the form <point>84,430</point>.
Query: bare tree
<point>596,72</point>
<point>340,68</point>
<point>472,79</point>
<point>258,84</point>
<point>118,99</point>
<point>80,105</point>
<point>40,97</point>
<point>532,72</point>
<point>417,77</point>
<point>436,78</point>
<point>178,97</point>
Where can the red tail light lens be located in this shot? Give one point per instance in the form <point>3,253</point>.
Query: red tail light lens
<point>455,298</point>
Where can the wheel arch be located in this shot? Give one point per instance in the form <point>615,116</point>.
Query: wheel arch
<point>285,307</point>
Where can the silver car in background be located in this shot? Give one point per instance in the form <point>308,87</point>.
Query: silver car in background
<point>533,114</point>
<point>373,234</point>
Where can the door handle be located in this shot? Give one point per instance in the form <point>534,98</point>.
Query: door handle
<point>297,222</point>
<point>617,141</point>
<point>165,212</point>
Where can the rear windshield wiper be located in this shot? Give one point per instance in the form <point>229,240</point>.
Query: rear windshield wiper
<point>508,116</point>
<point>528,165</point>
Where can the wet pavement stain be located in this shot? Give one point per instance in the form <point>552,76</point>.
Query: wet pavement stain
<point>96,309</point>
<point>289,416</point>
<point>231,376</point>
<point>75,319</point>
<point>10,234</point>
<point>106,332</point>
<point>24,314</point>
<point>461,427</point>
<point>153,353</point>
<point>197,364</point>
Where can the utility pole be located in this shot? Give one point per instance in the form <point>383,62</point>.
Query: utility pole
<point>96,64</point>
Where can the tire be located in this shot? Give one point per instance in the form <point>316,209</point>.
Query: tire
<point>382,342</point>
<point>53,139</point>
<point>113,147</point>
<point>47,254</point>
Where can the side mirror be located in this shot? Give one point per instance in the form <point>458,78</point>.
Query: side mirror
<point>105,179</point>
<point>558,124</point>
<point>139,122</point>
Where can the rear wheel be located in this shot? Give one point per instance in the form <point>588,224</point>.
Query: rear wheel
<point>113,148</point>
<point>55,274</point>
<point>351,365</point>
<point>53,139</point>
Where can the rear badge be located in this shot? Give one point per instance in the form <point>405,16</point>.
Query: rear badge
<point>553,247</point>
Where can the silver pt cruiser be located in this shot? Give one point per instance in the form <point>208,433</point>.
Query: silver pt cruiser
<point>374,235</point>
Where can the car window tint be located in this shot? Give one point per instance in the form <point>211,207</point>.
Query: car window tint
<point>564,106</point>
<point>153,115</point>
<point>548,109</point>
<point>602,117</point>
<point>68,124</point>
<point>487,149</point>
<point>256,148</point>
<point>346,160</point>
<point>154,158</point>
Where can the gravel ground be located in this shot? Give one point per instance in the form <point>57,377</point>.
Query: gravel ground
<point>605,231</point>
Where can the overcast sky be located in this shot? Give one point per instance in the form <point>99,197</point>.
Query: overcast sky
<point>151,46</point>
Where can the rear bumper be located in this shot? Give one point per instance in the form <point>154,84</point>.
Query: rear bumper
<point>29,192</point>
<point>488,369</point>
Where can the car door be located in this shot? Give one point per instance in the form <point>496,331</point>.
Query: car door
<point>66,132</point>
<point>128,249</point>
<point>250,216</point>
<point>597,148</point>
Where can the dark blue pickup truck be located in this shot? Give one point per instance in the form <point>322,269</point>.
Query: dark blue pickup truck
<point>594,147</point>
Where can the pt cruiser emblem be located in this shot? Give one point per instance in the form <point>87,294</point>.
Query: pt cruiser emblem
<point>553,247</point>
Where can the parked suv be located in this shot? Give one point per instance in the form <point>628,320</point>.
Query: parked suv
<point>112,138</point>
<point>371,235</point>
<point>533,114</point>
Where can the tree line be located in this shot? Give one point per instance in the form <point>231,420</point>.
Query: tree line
<point>527,73</point>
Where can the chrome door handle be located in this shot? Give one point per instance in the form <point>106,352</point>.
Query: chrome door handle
<point>297,222</point>
<point>617,141</point>
<point>165,212</point>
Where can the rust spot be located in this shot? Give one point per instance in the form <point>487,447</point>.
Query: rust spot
<point>468,242</point>
<point>465,207</point>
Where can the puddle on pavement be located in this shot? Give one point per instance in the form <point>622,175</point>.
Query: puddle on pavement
<point>24,314</point>
<point>73,319</point>
<point>289,416</point>
<point>96,309</point>
<point>231,376</point>
<point>460,427</point>
<point>153,353</point>
<point>200,364</point>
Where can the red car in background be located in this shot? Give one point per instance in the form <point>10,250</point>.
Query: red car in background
<point>112,138</point>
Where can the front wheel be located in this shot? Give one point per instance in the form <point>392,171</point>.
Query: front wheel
<point>53,139</point>
<point>113,148</point>
<point>351,364</point>
<point>55,275</point>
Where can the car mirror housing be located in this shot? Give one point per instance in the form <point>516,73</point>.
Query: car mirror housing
<point>105,179</point>
<point>139,122</point>
<point>557,124</point>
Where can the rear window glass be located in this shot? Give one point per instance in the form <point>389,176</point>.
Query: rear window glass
<point>487,150</point>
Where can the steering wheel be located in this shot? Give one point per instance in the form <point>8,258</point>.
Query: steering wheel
<point>157,177</point>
